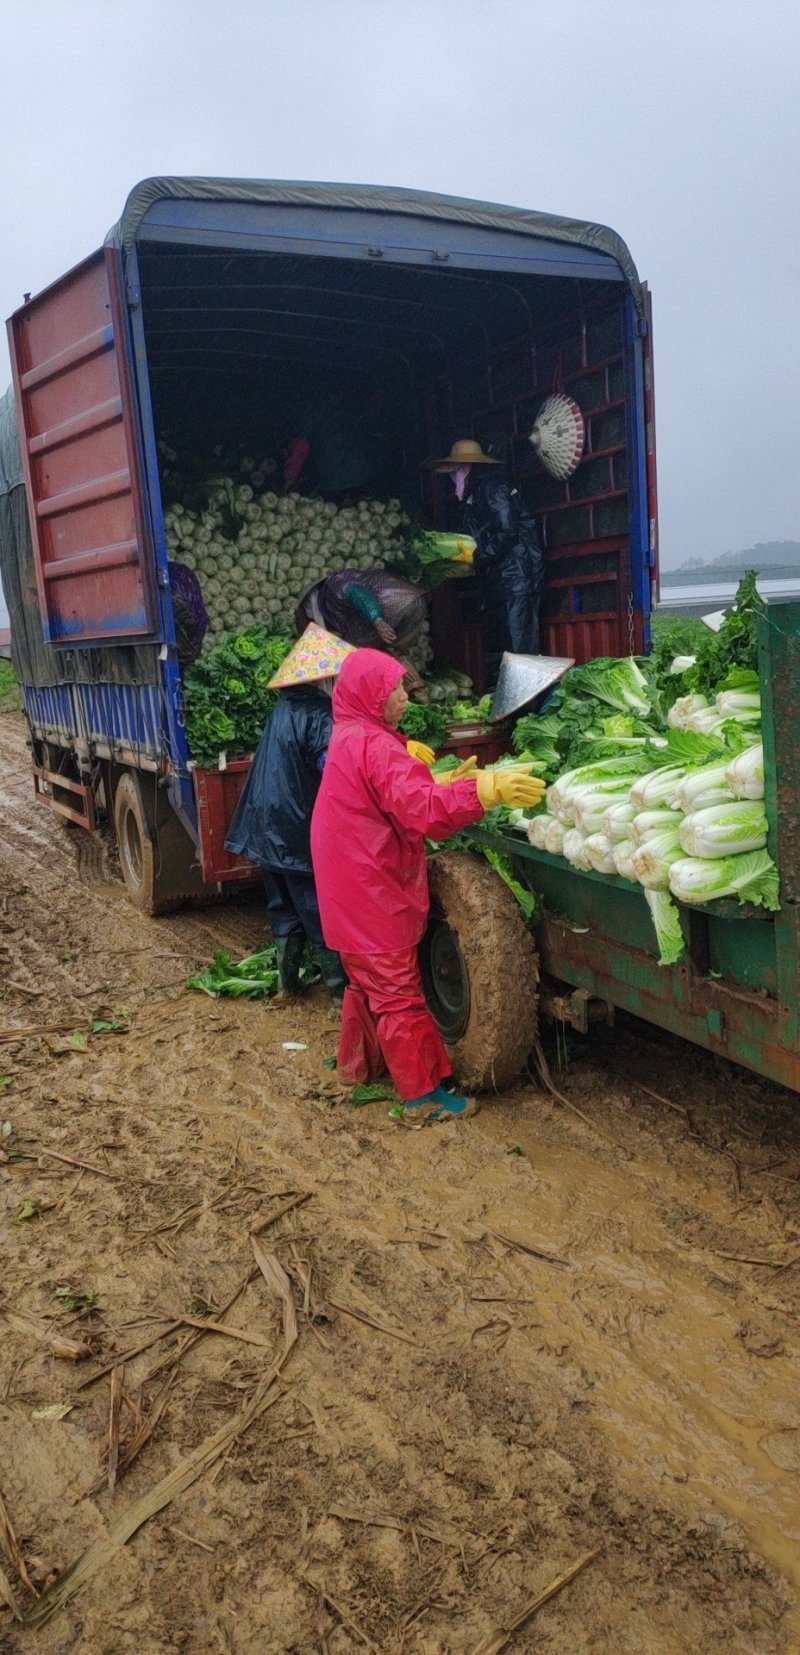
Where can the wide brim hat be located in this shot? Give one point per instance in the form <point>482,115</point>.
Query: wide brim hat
<point>316,655</point>
<point>465,452</point>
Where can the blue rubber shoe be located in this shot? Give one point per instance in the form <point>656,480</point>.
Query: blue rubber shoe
<point>439,1105</point>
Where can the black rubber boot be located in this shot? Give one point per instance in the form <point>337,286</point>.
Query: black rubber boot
<point>290,952</point>
<point>332,973</point>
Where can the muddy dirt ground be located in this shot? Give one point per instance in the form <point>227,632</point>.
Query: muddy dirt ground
<point>520,1340</point>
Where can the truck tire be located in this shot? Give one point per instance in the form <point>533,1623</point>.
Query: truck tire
<point>479,971</point>
<point>156,856</point>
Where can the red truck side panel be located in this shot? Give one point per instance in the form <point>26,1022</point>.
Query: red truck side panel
<point>81,458</point>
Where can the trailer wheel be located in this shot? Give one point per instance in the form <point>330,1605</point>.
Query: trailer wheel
<point>479,971</point>
<point>156,855</point>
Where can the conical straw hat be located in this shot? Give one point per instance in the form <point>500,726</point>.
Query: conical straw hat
<point>316,655</point>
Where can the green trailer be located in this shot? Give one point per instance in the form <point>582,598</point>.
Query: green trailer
<point>591,947</point>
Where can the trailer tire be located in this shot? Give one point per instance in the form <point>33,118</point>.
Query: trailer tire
<point>156,855</point>
<point>480,971</point>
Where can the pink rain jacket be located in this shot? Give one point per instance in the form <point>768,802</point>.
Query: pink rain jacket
<point>374,809</point>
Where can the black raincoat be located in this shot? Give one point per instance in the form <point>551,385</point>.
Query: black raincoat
<point>509,560</point>
<point>272,823</point>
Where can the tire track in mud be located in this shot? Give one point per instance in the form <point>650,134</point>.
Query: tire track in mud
<point>75,904</point>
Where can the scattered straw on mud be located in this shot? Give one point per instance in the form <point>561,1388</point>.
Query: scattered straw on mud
<point>515,1343</point>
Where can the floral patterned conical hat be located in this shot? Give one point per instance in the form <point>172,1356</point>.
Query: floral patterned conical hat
<point>316,655</point>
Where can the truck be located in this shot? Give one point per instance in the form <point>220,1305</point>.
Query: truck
<point>208,301</point>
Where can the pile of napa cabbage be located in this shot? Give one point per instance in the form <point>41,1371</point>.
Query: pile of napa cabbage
<point>667,790</point>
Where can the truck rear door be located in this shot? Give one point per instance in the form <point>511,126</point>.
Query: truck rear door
<point>81,453</point>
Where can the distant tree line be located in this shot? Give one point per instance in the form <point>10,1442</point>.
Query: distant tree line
<point>774,559</point>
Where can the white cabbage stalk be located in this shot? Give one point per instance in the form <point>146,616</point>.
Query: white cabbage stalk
<point>750,723</point>
<point>599,849</point>
<point>573,847</point>
<point>563,792</point>
<point>712,796</point>
<point>617,820</point>
<point>537,828</point>
<point>724,830</point>
<point>561,807</point>
<point>745,773</point>
<point>731,702</point>
<point>657,789</point>
<point>682,663</point>
<point>711,777</point>
<point>752,877</point>
<point>622,855</point>
<point>647,822</point>
<point>590,807</point>
<point>653,859</point>
<point>683,708</point>
<point>554,838</point>
<point>706,722</point>
<point>600,770</point>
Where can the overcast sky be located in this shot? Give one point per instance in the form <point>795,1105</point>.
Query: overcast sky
<point>678,124</point>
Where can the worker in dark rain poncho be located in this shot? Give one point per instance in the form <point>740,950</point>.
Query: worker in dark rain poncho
<point>509,560</point>
<point>371,608</point>
<point>272,823</point>
<point>376,806</point>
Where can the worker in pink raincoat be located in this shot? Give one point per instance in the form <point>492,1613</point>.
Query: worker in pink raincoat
<point>376,806</point>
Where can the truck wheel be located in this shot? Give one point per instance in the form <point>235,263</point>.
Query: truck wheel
<point>160,872</point>
<point>479,971</point>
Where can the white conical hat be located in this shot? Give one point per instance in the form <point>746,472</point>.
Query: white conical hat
<point>522,678</point>
<point>558,435</point>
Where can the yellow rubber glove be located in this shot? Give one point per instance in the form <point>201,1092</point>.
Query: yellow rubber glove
<point>465,555</point>
<point>419,750</point>
<point>457,774</point>
<point>509,787</point>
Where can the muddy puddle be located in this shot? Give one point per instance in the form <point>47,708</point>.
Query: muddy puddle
<point>540,1334</point>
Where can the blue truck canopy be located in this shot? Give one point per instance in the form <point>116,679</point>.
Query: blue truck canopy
<point>372,198</point>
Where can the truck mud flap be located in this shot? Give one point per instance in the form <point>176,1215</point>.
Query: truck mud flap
<point>217,794</point>
<point>70,799</point>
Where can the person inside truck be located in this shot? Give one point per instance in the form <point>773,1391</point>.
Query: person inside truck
<point>370,608</point>
<point>271,826</point>
<point>337,444</point>
<point>509,561</point>
<point>376,805</point>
